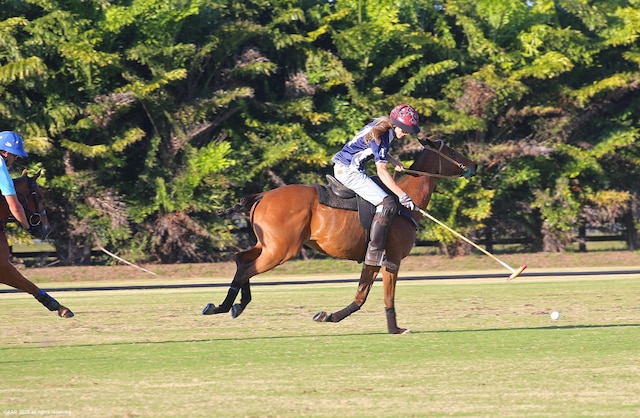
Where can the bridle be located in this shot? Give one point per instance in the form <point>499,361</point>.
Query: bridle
<point>466,172</point>
<point>35,217</point>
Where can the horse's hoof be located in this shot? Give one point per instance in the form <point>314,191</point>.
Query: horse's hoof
<point>64,312</point>
<point>400,331</point>
<point>320,316</point>
<point>236,310</point>
<point>210,309</point>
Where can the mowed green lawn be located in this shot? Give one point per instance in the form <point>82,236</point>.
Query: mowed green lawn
<point>479,348</point>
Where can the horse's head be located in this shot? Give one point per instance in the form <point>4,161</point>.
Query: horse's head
<point>30,198</point>
<point>440,160</point>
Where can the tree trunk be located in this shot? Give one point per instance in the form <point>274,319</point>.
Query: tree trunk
<point>582,237</point>
<point>631,231</point>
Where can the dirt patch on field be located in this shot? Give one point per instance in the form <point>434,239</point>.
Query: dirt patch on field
<point>114,273</point>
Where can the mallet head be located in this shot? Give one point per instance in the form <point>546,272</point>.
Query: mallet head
<point>516,273</point>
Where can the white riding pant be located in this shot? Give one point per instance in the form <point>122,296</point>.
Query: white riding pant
<point>360,183</point>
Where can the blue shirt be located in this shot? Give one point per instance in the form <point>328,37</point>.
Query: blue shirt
<point>356,152</point>
<point>6,182</point>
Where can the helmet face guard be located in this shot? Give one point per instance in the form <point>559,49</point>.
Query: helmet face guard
<point>406,118</point>
<point>12,143</point>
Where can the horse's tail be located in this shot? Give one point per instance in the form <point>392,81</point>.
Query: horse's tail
<point>245,204</point>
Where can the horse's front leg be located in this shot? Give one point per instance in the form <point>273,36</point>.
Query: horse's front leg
<point>367,277</point>
<point>389,280</point>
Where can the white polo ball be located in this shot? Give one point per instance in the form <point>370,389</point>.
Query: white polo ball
<point>555,315</point>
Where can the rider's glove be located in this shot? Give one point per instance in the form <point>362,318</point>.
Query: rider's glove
<point>406,201</point>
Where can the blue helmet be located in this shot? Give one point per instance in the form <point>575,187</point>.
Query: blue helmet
<point>12,143</point>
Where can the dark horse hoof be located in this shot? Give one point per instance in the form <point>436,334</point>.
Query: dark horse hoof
<point>236,310</point>
<point>64,312</point>
<point>320,316</point>
<point>210,309</point>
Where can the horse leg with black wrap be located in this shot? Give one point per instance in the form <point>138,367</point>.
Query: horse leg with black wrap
<point>13,278</point>
<point>225,306</point>
<point>389,280</point>
<point>245,298</point>
<point>245,269</point>
<point>249,263</point>
<point>228,305</point>
<point>10,276</point>
<point>367,277</point>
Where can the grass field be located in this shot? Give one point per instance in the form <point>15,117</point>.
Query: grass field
<point>479,348</point>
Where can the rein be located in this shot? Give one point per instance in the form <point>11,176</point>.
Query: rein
<point>466,172</point>
<point>424,173</point>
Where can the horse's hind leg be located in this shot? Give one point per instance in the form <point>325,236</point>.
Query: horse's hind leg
<point>249,263</point>
<point>245,298</point>
<point>367,277</point>
<point>245,269</point>
<point>280,223</point>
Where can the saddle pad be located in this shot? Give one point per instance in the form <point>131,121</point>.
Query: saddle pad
<point>365,212</point>
<point>327,198</point>
<point>365,209</point>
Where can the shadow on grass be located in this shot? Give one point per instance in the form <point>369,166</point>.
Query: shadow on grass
<point>39,346</point>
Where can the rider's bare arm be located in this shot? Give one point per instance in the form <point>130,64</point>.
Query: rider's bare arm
<point>17,210</point>
<point>387,179</point>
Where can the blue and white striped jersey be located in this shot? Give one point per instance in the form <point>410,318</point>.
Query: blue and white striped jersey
<point>356,152</point>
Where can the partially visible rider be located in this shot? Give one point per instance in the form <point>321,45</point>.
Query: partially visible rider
<point>372,143</point>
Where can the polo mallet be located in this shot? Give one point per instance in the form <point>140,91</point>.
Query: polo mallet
<point>514,272</point>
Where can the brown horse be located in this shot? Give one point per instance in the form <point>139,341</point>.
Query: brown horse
<point>29,195</point>
<point>286,218</point>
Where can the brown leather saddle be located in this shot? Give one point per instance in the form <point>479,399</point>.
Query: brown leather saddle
<point>336,195</point>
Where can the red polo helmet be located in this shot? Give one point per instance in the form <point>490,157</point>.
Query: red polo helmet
<point>406,118</point>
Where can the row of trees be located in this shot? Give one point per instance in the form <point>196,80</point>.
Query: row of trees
<point>149,115</point>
